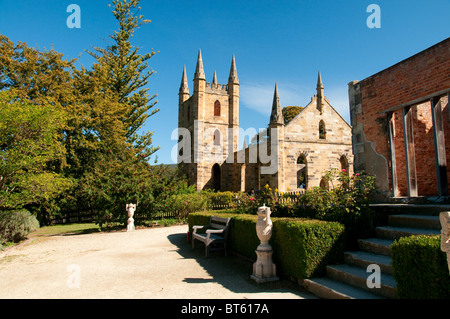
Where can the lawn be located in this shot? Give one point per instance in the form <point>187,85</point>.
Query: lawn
<point>83,228</point>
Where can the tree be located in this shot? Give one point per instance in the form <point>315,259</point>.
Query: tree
<point>122,70</point>
<point>102,111</point>
<point>289,112</point>
<point>30,151</point>
<point>42,77</point>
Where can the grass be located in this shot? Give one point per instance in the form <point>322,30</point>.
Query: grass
<point>87,228</point>
<point>84,228</point>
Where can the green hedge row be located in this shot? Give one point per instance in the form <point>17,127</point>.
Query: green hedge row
<point>302,247</point>
<point>420,268</point>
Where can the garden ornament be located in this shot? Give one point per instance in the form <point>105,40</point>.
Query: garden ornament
<point>130,210</point>
<point>264,269</point>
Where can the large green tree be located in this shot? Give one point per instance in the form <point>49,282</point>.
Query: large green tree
<point>124,71</point>
<point>99,144</point>
<point>31,152</point>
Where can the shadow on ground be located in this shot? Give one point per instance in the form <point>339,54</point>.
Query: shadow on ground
<point>232,272</point>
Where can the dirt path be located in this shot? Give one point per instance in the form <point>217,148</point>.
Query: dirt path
<point>147,263</point>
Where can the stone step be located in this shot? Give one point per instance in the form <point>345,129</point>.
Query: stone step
<point>357,276</point>
<point>376,245</point>
<point>418,221</point>
<point>392,232</point>
<point>413,209</point>
<point>327,288</point>
<point>364,259</point>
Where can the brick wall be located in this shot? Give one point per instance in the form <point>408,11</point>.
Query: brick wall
<point>416,77</point>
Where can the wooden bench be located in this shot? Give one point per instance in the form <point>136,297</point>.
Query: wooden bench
<point>216,234</point>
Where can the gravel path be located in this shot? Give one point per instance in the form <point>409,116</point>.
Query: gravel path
<point>153,263</point>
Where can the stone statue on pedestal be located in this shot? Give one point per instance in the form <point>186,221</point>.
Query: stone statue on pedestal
<point>130,210</point>
<point>264,269</point>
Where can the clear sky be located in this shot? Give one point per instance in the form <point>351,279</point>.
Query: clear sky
<point>273,41</point>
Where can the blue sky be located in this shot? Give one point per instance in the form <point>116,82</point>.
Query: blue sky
<point>274,41</point>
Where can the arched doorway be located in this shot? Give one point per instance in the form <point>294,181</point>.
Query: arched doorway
<point>216,177</point>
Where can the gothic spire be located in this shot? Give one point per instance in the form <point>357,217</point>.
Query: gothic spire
<point>277,116</point>
<point>214,78</point>
<point>320,95</point>
<point>199,72</point>
<point>184,88</point>
<point>320,87</point>
<point>233,78</point>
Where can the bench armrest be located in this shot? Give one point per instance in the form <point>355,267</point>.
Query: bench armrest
<point>214,231</point>
<point>197,227</point>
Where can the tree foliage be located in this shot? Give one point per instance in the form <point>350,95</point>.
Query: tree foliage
<point>123,71</point>
<point>31,152</point>
<point>289,112</point>
<point>73,138</point>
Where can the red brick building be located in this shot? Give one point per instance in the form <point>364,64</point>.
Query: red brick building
<point>400,121</point>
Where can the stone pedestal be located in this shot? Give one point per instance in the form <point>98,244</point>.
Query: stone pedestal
<point>264,270</point>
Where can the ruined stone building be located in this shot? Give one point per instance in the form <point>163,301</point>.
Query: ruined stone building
<point>400,121</point>
<point>291,156</point>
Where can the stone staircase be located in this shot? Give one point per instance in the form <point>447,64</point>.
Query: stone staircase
<point>349,280</point>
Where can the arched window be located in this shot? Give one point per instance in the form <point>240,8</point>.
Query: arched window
<point>344,164</point>
<point>302,172</point>
<point>217,138</point>
<point>217,108</point>
<point>323,183</point>
<point>344,168</point>
<point>322,130</point>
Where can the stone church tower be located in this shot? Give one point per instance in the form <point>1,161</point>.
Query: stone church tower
<point>292,156</point>
<point>210,119</point>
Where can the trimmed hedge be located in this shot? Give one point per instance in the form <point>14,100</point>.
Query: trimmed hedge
<point>420,268</point>
<point>302,247</point>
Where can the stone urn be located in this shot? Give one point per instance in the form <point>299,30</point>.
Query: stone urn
<point>264,269</point>
<point>264,227</point>
<point>130,211</point>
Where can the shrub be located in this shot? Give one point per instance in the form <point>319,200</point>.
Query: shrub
<point>305,246</point>
<point>302,247</point>
<point>184,204</point>
<point>347,203</point>
<point>220,199</point>
<point>16,225</point>
<point>420,268</point>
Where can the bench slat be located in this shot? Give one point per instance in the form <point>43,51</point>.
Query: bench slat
<point>218,226</point>
<point>219,219</point>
